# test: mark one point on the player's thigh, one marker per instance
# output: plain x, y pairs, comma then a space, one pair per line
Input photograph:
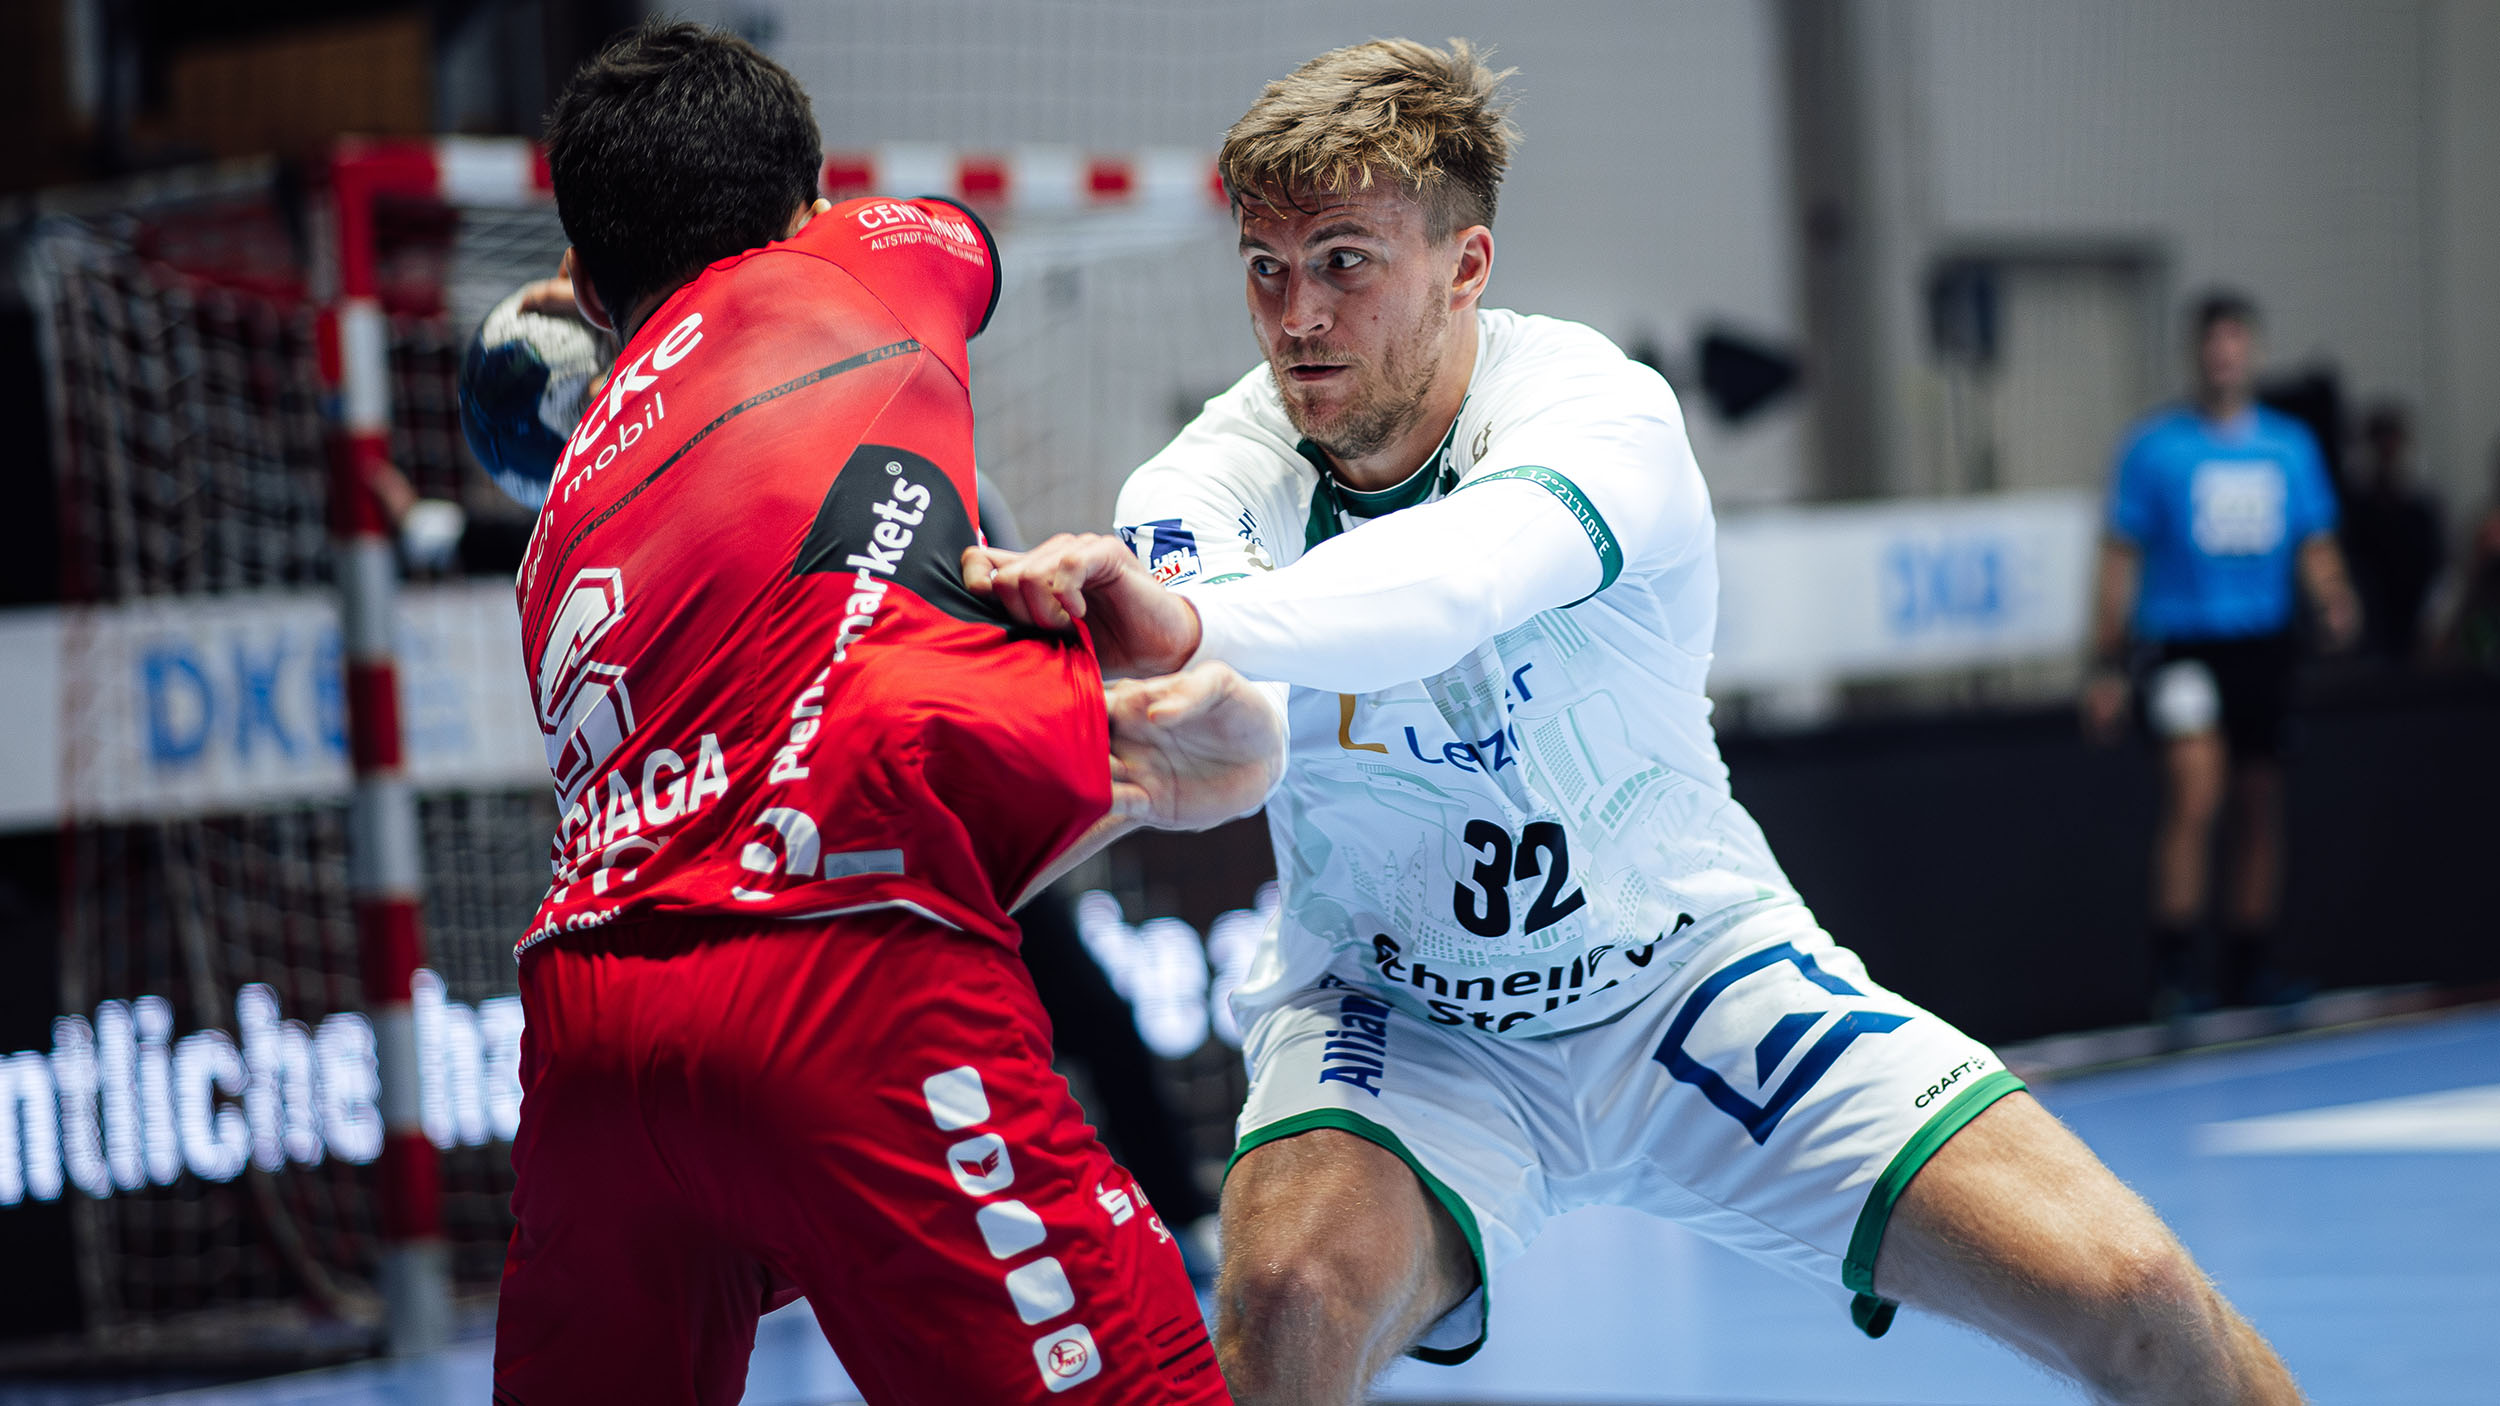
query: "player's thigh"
1385, 1167
1327, 1216
2015, 1227
959, 1230
2195, 769
655, 1310
615, 1285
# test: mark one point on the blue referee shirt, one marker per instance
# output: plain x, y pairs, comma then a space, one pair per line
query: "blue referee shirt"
2218, 512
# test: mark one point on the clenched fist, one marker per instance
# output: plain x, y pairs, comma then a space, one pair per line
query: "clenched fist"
1139, 628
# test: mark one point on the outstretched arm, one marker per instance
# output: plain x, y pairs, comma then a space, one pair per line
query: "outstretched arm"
1563, 500
1403, 598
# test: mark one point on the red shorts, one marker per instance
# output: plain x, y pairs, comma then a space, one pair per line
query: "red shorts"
716, 1123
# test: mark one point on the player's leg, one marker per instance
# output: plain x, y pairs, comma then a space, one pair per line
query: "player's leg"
2256, 702
2194, 766
2254, 881
2015, 1228
1821, 1123
2256, 843
1385, 1174
1336, 1259
2181, 706
907, 1157
616, 1286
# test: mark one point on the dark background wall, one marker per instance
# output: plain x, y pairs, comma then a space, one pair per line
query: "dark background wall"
1995, 868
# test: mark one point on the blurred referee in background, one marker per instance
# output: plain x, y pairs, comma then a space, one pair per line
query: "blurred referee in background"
2220, 515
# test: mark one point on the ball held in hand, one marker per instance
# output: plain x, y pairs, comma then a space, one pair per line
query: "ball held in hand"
523, 383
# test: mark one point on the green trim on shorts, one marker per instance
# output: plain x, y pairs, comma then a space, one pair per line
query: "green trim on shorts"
1872, 1314
1346, 1120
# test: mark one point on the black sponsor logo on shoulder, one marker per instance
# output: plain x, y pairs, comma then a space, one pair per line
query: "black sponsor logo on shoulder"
893, 518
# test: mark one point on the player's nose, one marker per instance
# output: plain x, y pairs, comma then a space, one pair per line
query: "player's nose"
1307, 312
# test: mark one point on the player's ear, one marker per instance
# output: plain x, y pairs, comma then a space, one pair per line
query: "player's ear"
799, 221
586, 297
1475, 266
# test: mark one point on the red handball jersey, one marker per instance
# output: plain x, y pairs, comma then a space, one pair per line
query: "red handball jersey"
764, 688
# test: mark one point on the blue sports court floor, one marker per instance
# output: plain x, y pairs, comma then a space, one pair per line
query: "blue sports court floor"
2343, 1188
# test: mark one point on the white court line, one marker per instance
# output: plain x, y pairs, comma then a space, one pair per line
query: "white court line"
2454, 1120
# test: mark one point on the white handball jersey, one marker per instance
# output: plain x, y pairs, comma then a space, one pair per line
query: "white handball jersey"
1504, 807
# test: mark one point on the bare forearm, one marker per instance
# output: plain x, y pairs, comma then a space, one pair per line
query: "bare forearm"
2113, 600
2330, 590
2322, 572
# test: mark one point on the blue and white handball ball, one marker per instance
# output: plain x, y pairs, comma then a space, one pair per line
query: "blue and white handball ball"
522, 387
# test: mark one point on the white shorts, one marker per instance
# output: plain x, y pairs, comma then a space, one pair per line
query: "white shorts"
1769, 1096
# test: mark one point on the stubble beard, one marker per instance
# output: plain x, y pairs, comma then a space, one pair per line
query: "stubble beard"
1389, 395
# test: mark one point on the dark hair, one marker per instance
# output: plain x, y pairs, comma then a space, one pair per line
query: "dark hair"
2222, 305
673, 147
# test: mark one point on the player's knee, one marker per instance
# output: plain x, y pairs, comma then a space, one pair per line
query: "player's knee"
1296, 1292
2147, 1323
1293, 1301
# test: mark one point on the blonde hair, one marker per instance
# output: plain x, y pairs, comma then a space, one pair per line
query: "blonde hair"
1435, 122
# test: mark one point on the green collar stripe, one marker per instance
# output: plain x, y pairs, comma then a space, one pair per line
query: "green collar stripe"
1601, 537
1331, 498
1417, 487
1323, 522
1873, 1315
1346, 1120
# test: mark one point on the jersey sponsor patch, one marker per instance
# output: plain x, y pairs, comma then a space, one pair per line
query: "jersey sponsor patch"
2238, 508
892, 518
981, 1164
1169, 549
1067, 1357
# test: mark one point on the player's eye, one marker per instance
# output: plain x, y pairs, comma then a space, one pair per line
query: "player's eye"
1266, 267
1344, 259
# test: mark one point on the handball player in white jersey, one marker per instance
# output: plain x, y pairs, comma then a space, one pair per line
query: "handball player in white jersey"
1532, 954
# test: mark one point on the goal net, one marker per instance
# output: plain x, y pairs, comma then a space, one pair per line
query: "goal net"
207, 1108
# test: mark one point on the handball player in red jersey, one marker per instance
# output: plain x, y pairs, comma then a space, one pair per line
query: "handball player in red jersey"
779, 1041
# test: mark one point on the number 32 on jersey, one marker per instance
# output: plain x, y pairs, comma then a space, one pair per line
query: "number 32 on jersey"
1481, 900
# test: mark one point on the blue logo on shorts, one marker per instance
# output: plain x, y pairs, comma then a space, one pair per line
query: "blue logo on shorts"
1760, 1118
1357, 1051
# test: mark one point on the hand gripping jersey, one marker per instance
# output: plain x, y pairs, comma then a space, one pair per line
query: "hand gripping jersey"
1529, 829
764, 689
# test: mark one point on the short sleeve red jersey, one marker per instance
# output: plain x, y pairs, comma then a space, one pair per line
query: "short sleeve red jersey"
763, 686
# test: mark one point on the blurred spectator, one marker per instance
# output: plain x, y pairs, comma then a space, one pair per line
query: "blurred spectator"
2474, 635
2218, 509
2392, 536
